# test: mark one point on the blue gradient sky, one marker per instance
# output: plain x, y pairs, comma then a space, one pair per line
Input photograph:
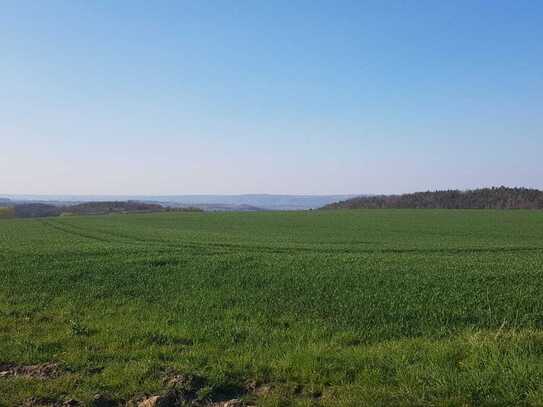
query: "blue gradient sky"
138, 97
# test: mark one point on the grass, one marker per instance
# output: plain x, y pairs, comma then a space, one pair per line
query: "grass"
331, 308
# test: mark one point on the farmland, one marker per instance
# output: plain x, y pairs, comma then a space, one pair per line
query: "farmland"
336, 307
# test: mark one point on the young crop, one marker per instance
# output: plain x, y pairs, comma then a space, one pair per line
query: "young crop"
360, 307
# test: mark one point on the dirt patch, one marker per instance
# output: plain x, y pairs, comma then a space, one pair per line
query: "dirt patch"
187, 385
258, 389
192, 390
153, 401
170, 399
182, 390
41, 371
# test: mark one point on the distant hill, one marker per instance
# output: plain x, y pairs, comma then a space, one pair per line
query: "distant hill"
207, 207
254, 201
485, 198
36, 210
206, 202
94, 208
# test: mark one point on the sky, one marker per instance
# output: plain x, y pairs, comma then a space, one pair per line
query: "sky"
296, 97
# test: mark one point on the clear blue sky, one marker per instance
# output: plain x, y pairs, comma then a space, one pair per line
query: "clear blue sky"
140, 97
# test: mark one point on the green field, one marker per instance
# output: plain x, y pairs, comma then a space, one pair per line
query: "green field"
331, 308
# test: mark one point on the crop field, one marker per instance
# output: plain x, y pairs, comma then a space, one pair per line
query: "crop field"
316, 308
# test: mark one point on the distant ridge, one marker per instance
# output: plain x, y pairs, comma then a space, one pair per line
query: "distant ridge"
484, 198
242, 202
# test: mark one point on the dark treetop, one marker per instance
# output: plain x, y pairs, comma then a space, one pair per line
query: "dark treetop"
485, 198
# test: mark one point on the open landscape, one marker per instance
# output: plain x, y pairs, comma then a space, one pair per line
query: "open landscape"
314, 308
271, 203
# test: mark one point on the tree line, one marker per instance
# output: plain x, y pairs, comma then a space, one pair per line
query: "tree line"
484, 198
38, 210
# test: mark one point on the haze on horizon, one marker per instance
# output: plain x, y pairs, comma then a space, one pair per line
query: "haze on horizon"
170, 98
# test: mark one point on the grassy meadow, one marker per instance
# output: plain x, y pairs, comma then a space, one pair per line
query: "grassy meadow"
316, 308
